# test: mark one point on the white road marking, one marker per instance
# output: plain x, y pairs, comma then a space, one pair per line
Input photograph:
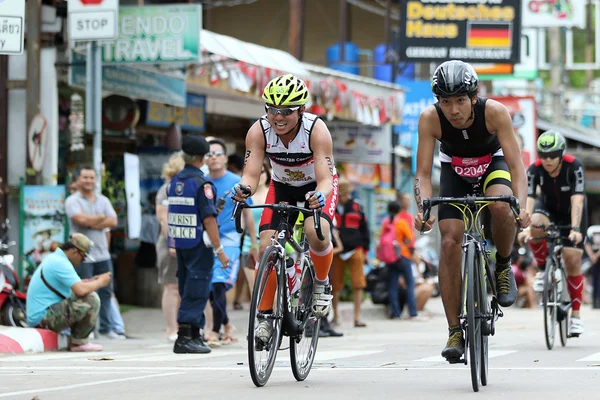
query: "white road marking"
51, 356
337, 354
491, 354
79, 385
593, 357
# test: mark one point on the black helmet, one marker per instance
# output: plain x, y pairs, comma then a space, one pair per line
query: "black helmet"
453, 78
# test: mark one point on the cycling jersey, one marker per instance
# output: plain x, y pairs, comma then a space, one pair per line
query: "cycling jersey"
556, 192
293, 165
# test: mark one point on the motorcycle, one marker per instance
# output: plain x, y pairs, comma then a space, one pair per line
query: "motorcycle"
12, 300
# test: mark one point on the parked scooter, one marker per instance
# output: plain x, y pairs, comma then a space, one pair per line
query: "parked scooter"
12, 300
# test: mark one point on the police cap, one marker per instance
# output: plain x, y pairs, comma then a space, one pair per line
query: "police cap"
194, 145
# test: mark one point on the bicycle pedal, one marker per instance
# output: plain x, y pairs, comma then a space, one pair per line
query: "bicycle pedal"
573, 335
455, 360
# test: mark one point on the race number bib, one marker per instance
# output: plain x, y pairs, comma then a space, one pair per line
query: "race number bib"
471, 168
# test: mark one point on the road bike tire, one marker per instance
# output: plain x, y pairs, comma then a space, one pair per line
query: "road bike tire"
563, 325
485, 310
473, 339
304, 348
260, 369
549, 303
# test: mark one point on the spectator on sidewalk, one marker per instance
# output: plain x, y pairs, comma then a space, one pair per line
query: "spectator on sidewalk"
224, 279
91, 213
57, 299
592, 248
354, 234
166, 262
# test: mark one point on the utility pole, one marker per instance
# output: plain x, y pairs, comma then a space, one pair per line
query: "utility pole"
556, 69
33, 22
296, 33
343, 29
3, 136
589, 42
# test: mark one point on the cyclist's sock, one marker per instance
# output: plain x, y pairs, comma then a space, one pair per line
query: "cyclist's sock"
540, 251
502, 262
576, 291
266, 302
322, 261
454, 328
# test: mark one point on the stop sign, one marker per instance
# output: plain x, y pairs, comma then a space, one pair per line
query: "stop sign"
91, 2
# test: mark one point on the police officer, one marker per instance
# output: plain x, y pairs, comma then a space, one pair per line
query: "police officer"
192, 210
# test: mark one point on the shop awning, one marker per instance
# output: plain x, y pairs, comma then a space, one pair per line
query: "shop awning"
580, 134
251, 53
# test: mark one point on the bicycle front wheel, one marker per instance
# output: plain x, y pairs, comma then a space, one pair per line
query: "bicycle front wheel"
265, 316
304, 347
550, 305
485, 316
565, 302
473, 340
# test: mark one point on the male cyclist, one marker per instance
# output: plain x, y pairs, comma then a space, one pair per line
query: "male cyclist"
478, 148
560, 178
300, 149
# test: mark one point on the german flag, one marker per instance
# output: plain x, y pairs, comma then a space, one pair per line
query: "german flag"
489, 35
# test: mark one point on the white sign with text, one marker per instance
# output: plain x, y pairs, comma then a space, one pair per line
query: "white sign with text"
359, 143
93, 19
12, 26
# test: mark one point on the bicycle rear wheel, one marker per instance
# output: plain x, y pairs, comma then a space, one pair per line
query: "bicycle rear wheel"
550, 302
304, 347
473, 340
261, 356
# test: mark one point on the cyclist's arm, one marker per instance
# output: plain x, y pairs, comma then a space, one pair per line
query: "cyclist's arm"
499, 119
427, 127
253, 159
320, 143
533, 179
577, 193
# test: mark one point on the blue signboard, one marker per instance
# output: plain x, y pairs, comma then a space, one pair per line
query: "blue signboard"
132, 82
192, 117
418, 98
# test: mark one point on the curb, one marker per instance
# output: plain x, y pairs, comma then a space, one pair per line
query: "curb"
30, 340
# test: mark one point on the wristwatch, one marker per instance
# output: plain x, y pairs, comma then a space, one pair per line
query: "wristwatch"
576, 229
218, 250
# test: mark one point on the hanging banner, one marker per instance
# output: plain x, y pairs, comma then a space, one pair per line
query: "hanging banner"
485, 31
548, 13
523, 115
358, 143
43, 225
192, 117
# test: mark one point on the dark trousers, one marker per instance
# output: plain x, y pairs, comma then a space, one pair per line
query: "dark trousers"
194, 272
402, 267
218, 301
88, 270
596, 284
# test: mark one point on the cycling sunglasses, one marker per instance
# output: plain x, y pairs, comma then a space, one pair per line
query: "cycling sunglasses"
283, 111
551, 154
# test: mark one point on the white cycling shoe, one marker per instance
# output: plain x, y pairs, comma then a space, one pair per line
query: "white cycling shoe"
321, 301
538, 283
576, 326
264, 331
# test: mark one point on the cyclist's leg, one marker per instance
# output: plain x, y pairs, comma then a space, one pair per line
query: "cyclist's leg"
539, 248
496, 182
572, 253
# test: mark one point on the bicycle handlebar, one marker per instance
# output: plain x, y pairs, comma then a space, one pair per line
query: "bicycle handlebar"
554, 231
282, 207
469, 201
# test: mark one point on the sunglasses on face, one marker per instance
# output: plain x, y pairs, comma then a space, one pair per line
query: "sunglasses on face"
283, 111
552, 154
214, 153
82, 254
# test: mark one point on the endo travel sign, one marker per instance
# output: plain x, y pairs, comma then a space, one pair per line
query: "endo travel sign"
156, 34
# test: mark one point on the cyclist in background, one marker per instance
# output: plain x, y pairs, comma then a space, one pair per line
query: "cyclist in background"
300, 150
561, 179
478, 147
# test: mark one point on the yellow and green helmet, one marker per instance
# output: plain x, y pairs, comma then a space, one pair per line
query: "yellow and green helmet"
551, 144
286, 90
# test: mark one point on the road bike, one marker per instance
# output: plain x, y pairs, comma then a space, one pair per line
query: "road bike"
291, 313
556, 301
479, 310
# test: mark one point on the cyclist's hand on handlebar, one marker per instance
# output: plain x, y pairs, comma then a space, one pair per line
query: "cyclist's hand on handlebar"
240, 192
315, 199
419, 223
575, 237
524, 218
524, 237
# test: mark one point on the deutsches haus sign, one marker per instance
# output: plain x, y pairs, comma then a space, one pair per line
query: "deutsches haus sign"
482, 31
155, 34
93, 19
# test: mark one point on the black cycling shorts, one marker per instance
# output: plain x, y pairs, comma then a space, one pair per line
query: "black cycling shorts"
563, 219
452, 185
